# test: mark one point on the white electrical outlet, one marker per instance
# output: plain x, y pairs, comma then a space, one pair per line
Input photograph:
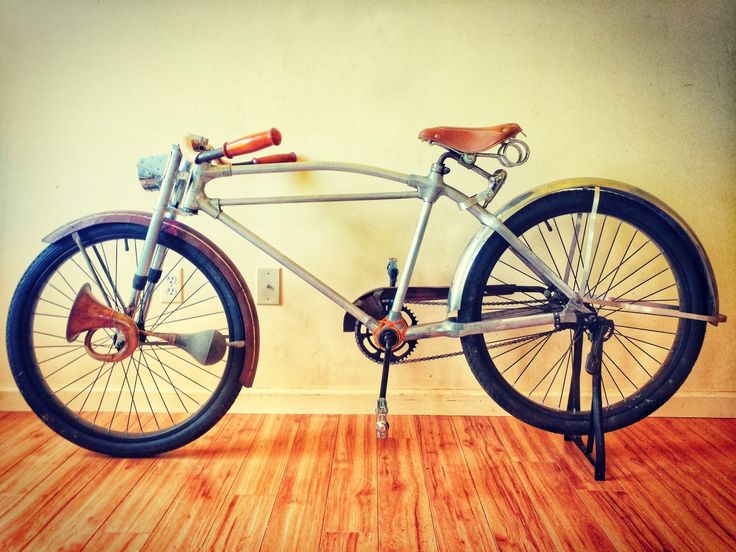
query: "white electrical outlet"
269, 286
171, 287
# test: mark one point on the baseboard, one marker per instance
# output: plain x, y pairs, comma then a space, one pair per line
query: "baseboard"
461, 402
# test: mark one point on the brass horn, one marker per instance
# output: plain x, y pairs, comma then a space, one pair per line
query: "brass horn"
89, 315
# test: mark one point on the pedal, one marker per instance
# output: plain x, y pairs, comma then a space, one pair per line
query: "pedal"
382, 425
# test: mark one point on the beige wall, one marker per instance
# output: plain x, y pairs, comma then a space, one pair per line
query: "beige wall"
641, 92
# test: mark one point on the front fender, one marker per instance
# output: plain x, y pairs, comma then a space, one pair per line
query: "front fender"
229, 271
466, 260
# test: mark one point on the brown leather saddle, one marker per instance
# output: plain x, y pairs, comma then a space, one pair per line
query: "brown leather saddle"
469, 140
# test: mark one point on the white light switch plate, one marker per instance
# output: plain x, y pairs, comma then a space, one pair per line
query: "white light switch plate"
269, 286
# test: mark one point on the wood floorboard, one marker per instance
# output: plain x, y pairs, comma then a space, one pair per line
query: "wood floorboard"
352, 504
404, 515
299, 510
141, 510
317, 482
508, 507
188, 520
10, 422
452, 494
242, 521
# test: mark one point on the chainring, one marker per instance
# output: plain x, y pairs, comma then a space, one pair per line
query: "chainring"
368, 346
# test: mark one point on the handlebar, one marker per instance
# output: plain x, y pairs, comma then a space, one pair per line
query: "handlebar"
247, 144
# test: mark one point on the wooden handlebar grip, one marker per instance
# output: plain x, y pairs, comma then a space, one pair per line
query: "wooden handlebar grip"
278, 158
251, 143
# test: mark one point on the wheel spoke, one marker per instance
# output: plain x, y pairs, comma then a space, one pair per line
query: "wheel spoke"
165, 366
62, 307
559, 363
161, 319
143, 359
536, 339
568, 267
197, 366
568, 366
605, 354
138, 377
631, 338
541, 346
603, 363
522, 272
632, 355
579, 243
614, 286
644, 329
546, 245
608, 255
168, 379
106, 271
595, 254
624, 259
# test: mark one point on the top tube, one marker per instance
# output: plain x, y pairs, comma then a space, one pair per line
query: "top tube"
235, 170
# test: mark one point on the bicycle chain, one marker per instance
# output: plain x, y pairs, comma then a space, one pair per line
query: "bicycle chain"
512, 341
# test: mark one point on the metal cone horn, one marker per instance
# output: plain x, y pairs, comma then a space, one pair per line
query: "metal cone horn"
206, 347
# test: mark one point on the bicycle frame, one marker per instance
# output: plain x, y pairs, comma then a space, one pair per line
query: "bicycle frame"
184, 185
426, 188
564, 306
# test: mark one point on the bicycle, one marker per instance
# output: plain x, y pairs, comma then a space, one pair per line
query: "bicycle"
575, 258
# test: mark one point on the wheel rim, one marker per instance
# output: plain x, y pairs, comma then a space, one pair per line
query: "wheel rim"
623, 262
159, 388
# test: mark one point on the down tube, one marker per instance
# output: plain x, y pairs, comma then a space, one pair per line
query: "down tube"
293, 266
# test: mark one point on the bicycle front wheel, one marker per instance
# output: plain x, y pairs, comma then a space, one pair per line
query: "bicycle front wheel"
160, 397
635, 253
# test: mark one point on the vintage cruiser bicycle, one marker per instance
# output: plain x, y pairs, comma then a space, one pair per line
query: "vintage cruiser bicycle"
581, 305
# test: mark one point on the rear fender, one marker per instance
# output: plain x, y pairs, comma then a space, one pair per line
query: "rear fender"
476, 243
229, 271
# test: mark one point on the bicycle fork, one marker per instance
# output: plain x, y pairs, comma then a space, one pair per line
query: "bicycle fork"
152, 257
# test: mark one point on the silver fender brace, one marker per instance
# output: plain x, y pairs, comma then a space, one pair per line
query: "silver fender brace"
226, 267
462, 270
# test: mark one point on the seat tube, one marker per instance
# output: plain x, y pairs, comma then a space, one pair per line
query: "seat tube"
405, 276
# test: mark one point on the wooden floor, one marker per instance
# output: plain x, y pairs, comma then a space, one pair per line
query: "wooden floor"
324, 483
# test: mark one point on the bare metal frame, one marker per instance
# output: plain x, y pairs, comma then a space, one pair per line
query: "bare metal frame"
184, 183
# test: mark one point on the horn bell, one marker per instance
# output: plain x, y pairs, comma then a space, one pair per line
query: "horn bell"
89, 315
206, 347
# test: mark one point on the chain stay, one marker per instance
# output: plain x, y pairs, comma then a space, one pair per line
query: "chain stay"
505, 343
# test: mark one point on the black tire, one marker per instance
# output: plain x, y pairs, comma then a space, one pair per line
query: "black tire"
159, 398
647, 358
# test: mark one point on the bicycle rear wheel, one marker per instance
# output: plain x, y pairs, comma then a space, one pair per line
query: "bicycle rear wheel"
636, 254
158, 399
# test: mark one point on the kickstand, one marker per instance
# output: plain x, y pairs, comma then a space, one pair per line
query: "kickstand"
382, 425
600, 331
